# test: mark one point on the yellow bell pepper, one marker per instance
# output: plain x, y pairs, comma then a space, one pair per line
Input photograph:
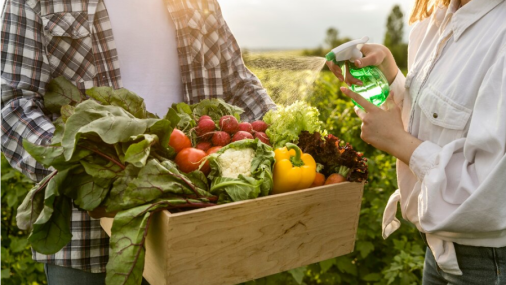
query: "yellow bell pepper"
293, 169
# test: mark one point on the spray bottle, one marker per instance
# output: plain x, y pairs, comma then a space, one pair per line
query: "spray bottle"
375, 86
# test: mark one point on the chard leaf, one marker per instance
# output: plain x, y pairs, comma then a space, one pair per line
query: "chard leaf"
153, 181
117, 194
59, 126
66, 111
108, 171
111, 123
89, 192
137, 153
60, 92
51, 230
128, 235
32, 205
122, 97
52, 236
52, 155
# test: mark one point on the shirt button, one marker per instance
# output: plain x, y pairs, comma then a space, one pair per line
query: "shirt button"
434, 115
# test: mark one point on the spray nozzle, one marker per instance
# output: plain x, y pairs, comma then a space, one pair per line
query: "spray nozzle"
347, 51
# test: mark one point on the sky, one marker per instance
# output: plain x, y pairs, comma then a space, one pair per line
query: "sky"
298, 24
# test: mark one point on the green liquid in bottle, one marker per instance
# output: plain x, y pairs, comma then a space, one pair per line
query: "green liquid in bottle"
375, 86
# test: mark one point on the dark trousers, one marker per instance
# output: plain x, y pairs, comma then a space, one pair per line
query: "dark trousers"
59, 275
479, 266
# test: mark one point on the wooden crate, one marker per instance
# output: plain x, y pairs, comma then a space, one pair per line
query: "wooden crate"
242, 241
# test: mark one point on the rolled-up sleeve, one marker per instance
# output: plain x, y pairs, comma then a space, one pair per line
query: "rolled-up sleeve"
25, 72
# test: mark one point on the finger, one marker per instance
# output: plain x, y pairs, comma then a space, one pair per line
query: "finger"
371, 57
349, 79
360, 113
368, 106
336, 70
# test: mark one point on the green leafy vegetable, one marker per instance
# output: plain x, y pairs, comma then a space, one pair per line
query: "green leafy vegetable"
286, 123
257, 183
107, 151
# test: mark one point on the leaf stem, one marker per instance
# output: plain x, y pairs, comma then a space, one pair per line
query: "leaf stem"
105, 156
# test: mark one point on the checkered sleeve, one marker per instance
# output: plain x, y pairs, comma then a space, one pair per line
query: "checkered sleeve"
25, 72
244, 88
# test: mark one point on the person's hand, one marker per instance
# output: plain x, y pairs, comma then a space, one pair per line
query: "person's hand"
100, 212
374, 54
382, 126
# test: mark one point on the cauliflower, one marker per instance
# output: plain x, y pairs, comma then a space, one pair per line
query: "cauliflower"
236, 161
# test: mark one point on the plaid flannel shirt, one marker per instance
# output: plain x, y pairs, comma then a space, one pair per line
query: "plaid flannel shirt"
43, 39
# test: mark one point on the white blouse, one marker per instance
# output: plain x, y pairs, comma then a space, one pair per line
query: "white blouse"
454, 100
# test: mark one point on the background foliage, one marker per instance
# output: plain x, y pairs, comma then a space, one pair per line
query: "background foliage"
397, 260
17, 264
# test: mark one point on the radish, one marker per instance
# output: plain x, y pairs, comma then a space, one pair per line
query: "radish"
205, 117
204, 145
221, 138
229, 124
246, 127
259, 126
263, 138
204, 127
241, 135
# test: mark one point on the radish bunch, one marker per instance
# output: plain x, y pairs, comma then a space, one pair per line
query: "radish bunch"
229, 130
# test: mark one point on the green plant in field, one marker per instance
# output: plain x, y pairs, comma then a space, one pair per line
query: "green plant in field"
17, 264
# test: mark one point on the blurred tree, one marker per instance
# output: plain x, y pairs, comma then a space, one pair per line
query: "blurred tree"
395, 27
394, 37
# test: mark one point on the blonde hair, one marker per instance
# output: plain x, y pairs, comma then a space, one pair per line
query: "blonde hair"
424, 8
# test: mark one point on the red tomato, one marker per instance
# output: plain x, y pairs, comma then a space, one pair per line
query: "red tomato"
209, 152
213, 150
189, 160
178, 140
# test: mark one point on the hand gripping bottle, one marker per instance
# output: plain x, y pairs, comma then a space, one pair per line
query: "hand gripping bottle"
375, 86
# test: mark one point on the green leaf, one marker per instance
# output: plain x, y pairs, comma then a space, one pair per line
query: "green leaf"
345, 265
126, 256
364, 247
216, 108
60, 92
6, 273
286, 123
238, 189
54, 233
372, 277
66, 111
122, 97
137, 153
153, 181
298, 274
18, 244
89, 191
52, 155
59, 126
109, 170
327, 264
111, 124
32, 205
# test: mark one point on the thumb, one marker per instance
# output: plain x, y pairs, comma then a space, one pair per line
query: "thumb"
371, 57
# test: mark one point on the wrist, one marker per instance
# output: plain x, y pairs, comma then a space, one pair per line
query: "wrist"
389, 66
403, 146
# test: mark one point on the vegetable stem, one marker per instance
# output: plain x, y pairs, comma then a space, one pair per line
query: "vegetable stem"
295, 160
105, 156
